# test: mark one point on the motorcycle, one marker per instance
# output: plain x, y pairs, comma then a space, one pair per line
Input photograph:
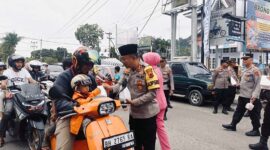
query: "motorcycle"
105, 131
30, 114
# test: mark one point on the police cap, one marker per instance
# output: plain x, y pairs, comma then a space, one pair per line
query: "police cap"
247, 55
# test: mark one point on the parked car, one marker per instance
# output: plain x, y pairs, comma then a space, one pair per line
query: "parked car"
193, 81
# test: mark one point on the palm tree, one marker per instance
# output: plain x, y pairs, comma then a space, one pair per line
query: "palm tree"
8, 45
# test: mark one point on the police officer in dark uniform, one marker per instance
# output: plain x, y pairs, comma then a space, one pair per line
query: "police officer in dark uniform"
265, 130
249, 93
142, 83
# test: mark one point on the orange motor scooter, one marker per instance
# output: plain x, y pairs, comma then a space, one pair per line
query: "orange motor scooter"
105, 131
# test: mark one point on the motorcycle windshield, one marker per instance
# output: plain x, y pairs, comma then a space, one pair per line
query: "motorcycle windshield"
31, 92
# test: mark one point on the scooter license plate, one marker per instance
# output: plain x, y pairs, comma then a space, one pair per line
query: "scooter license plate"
119, 142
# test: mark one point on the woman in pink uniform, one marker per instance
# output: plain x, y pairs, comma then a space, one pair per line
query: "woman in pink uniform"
153, 59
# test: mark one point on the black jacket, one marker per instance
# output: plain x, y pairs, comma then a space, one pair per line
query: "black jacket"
63, 81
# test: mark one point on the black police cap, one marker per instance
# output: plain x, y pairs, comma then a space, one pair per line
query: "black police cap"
128, 49
247, 55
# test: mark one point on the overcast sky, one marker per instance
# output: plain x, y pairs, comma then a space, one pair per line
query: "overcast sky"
50, 20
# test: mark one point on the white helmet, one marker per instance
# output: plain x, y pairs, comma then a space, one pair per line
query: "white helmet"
35, 63
80, 79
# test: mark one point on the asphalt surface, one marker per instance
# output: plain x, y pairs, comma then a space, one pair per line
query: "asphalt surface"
190, 128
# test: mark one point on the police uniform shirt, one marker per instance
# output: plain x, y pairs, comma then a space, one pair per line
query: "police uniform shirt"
221, 78
141, 84
250, 83
168, 81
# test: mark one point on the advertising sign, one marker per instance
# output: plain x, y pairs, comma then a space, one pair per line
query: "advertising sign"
219, 27
258, 25
206, 25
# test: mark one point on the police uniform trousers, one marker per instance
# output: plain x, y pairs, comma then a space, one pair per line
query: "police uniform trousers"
230, 96
145, 132
255, 114
266, 121
220, 97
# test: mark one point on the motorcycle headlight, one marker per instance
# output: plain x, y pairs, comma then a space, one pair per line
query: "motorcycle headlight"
106, 108
34, 107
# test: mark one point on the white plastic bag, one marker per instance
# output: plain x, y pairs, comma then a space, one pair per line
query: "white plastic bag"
102, 91
124, 95
265, 83
233, 81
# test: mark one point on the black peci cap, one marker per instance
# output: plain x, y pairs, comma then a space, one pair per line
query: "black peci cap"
128, 49
247, 55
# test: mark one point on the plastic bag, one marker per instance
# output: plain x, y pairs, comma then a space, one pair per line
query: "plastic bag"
125, 94
102, 91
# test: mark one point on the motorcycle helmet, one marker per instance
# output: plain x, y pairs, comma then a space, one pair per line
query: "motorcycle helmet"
13, 58
80, 79
81, 57
35, 64
2, 64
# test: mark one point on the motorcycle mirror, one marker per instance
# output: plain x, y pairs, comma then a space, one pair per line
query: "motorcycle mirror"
2, 77
43, 78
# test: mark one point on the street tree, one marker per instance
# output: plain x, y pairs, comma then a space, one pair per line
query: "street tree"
90, 35
8, 45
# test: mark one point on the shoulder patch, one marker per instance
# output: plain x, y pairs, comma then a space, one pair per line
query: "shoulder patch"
151, 78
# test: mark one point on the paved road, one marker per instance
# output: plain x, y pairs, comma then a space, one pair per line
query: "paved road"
192, 128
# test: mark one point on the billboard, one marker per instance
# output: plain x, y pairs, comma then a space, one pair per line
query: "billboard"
177, 3
219, 27
258, 25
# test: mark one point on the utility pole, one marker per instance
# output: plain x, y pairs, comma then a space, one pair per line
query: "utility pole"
116, 36
194, 31
173, 34
109, 38
40, 54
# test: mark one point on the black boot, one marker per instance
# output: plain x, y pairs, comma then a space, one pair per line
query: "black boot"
262, 145
224, 111
254, 132
231, 127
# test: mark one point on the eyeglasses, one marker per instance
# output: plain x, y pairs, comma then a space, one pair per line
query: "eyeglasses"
162, 61
245, 58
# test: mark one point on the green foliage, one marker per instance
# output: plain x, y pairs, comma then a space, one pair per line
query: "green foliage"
90, 35
8, 45
113, 53
183, 47
50, 60
50, 54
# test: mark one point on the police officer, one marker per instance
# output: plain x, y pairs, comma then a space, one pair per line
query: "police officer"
249, 93
265, 130
221, 82
142, 83
262, 145
233, 70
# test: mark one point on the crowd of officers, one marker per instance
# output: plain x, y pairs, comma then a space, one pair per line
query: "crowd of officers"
228, 79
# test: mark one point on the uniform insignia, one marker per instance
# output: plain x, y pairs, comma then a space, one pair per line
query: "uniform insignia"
139, 85
257, 73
